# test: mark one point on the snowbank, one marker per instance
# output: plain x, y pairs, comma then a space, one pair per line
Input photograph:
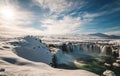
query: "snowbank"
23, 67
32, 49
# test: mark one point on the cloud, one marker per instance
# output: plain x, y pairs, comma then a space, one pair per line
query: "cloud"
116, 32
58, 9
113, 30
65, 25
53, 5
49, 16
24, 19
17, 31
20, 24
59, 6
107, 9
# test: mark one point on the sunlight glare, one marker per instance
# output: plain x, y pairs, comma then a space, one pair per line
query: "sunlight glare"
8, 13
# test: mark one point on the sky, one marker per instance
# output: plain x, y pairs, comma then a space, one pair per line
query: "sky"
20, 17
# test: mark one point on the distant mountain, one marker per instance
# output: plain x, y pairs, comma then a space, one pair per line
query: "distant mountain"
101, 35
114, 36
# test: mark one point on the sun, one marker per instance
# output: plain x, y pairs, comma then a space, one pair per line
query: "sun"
7, 13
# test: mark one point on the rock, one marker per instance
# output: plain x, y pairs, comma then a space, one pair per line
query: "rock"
118, 61
2, 69
108, 73
116, 64
106, 64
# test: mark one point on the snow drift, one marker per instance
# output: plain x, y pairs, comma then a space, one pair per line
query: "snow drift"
32, 49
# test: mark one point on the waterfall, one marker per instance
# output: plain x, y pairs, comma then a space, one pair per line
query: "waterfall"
103, 50
90, 48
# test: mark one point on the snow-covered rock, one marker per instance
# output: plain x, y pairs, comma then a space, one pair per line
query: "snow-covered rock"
32, 49
116, 64
118, 61
108, 73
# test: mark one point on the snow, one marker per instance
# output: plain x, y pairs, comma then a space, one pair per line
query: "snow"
32, 49
109, 73
96, 38
19, 58
116, 42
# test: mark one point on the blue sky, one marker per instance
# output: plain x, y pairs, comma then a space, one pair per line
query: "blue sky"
60, 16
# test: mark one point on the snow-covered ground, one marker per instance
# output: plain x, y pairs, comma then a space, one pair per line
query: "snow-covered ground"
27, 56
94, 38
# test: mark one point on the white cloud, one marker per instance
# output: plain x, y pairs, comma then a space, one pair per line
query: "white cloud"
103, 11
24, 18
115, 32
54, 5
93, 15
55, 9
60, 6
66, 25
7, 31
19, 25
